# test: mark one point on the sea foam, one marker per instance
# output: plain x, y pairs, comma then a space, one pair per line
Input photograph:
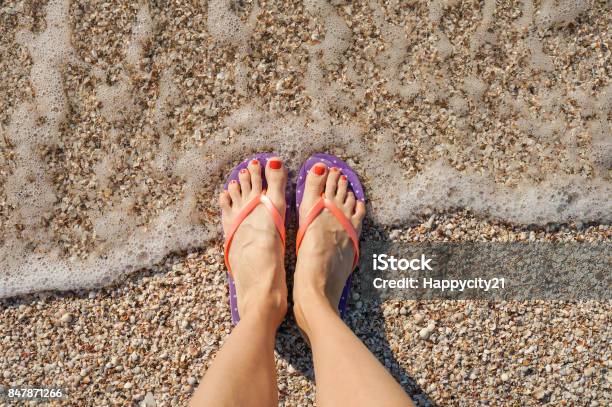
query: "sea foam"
126, 245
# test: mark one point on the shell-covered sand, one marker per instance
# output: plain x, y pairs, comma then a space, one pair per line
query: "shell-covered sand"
467, 120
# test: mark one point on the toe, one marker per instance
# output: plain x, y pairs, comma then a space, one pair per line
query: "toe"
245, 181
225, 202
357, 218
349, 204
315, 182
255, 172
341, 191
276, 175
332, 183
234, 190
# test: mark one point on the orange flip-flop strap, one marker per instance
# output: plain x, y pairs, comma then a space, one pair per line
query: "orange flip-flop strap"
279, 222
321, 204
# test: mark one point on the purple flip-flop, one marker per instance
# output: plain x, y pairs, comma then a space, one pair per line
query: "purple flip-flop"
263, 160
353, 185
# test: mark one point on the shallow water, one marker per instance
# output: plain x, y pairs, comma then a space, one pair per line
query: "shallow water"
118, 122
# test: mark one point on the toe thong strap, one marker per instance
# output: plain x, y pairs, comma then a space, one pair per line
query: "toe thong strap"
279, 222
321, 204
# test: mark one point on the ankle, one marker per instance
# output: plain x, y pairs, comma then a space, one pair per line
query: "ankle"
308, 305
267, 304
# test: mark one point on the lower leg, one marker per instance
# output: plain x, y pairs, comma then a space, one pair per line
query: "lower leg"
243, 372
347, 373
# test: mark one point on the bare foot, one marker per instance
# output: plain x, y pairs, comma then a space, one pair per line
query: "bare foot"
256, 253
325, 258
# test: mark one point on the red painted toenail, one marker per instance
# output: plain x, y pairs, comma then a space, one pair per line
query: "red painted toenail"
319, 169
255, 162
334, 169
243, 171
275, 164
233, 181
343, 178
